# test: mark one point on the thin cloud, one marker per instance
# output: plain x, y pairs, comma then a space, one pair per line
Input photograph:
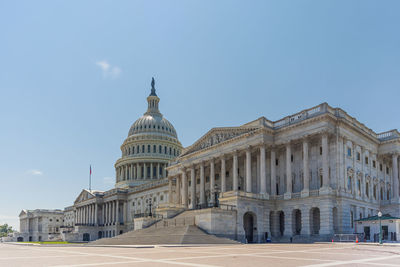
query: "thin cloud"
108, 70
34, 172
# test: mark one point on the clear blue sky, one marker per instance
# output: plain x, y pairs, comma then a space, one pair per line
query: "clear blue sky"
74, 75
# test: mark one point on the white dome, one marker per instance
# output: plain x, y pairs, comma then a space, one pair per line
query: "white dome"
150, 123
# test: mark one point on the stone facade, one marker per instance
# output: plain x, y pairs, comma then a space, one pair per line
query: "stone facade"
40, 225
310, 174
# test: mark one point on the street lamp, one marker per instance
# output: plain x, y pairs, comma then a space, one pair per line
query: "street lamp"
380, 227
216, 194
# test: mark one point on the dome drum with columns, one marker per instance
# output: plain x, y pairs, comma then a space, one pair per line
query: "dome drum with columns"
151, 143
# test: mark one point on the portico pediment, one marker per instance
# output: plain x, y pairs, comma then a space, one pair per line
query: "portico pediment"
218, 135
84, 195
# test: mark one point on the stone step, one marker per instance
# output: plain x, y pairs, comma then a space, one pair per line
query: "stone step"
169, 235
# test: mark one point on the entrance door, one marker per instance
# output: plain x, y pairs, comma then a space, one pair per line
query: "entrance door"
248, 223
86, 237
385, 232
367, 232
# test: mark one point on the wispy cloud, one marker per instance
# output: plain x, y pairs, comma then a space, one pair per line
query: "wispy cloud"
34, 172
108, 70
108, 180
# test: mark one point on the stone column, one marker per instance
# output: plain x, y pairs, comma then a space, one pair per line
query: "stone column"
170, 199
90, 214
140, 175
164, 170
223, 175
288, 193
273, 172
145, 171
263, 178
151, 171
325, 164
235, 172
193, 186
306, 171
117, 212
110, 212
105, 212
185, 189
212, 181
202, 185
126, 172
248, 171
124, 212
158, 171
395, 174
178, 190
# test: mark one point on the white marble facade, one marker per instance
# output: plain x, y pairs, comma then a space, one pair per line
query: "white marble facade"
310, 174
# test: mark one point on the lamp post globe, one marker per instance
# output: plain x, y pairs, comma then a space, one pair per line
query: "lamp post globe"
380, 227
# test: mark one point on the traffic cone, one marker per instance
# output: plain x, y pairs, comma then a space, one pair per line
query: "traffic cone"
332, 240
356, 239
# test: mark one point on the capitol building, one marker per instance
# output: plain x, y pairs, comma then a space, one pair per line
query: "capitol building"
307, 176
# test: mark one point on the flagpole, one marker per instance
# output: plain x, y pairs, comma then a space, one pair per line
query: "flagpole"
90, 178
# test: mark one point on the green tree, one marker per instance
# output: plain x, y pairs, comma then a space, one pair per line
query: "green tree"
5, 230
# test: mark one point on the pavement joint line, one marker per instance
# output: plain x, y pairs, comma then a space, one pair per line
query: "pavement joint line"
353, 261
37, 257
96, 264
381, 264
139, 259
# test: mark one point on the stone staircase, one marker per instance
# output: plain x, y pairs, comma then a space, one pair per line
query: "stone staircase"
181, 229
189, 234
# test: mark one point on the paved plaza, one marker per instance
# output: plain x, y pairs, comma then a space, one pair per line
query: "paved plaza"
225, 255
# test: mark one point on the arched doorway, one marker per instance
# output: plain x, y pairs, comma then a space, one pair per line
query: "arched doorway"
248, 225
297, 222
100, 234
20, 239
86, 237
281, 222
315, 221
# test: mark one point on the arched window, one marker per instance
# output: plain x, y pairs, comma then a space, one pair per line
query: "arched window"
165, 150
142, 148
159, 149
154, 148
170, 151
174, 152
133, 150
137, 149
148, 148
367, 189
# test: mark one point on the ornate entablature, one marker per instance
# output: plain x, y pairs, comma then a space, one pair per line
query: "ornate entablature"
217, 136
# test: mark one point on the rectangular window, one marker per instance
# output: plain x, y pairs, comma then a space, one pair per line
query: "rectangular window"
277, 162
349, 152
374, 163
320, 150
291, 158
387, 170
366, 160
380, 167
358, 156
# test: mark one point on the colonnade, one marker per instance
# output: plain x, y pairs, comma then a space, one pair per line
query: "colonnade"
142, 170
182, 196
109, 215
